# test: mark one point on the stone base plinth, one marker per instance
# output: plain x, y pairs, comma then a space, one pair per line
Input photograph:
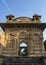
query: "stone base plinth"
23, 61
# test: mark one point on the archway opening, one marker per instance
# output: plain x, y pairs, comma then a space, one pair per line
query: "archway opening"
23, 49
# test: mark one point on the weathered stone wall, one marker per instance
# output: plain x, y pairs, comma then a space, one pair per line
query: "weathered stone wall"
32, 36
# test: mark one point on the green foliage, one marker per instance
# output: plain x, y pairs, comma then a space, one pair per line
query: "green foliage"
45, 44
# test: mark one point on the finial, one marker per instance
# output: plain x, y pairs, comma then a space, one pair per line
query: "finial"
10, 17
36, 17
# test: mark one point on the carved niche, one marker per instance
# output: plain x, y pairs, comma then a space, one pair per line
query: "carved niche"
36, 41
10, 41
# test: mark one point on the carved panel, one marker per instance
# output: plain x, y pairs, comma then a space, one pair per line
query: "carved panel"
36, 42
10, 41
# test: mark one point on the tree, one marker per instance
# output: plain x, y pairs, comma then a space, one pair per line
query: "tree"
45, 44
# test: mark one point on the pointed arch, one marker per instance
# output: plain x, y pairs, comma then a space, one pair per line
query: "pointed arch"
10, 41
36, 37
23, 44
23, 34
23, 49
36, 41
11, 36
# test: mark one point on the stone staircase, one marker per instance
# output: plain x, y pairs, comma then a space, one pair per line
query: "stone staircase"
22, 61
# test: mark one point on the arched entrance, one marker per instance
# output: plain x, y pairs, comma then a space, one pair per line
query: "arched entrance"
23, 49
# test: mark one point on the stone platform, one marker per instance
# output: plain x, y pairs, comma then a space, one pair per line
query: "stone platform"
22, 61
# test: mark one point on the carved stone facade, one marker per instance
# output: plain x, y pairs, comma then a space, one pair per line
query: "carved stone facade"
23, 33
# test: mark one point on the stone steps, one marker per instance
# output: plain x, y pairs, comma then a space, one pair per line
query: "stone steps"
22, 61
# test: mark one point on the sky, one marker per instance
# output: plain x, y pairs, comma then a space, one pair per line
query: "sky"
23, 8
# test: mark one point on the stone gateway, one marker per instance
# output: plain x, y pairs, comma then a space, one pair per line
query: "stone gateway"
22, 41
